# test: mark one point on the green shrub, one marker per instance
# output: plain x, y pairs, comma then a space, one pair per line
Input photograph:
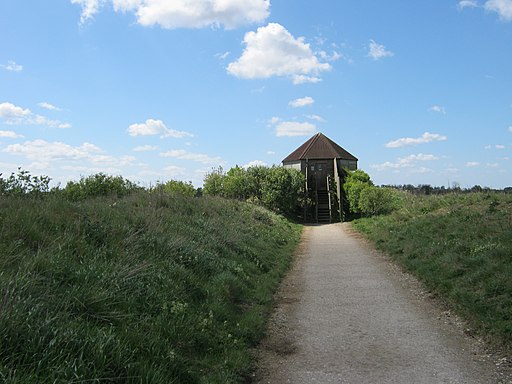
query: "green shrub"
375, 201
366, 199
282, 189
176, 187
277, 188
24, 184
99, 184
238, 184
355, 183
213, 183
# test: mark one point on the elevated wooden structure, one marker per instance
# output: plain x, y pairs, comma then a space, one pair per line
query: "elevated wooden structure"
321, 160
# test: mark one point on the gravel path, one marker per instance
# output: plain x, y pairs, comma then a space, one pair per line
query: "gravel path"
345, 315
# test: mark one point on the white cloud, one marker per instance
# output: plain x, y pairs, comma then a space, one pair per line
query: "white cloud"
223, 56
85, 158
155, 127
467, 4
438, 109
255, 163
510, 129
427, 137
302, 102
497, 146
274, 120
502, 7
41, 120
145, 148
15, 115
421, 157
126, 5
378, 51
292, 128
406, 162
202, 13
10, 112
12, 66
197, 157
48, 106
41, 150
174, 171
112, 161
271, 153
320, 119
89, 8
273, 51
84, 170
303, 79
184, 13
10, 134
335, 56
258, 90
472, 164
492, 165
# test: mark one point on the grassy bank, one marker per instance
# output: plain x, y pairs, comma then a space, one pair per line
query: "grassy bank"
144, 289
460, 245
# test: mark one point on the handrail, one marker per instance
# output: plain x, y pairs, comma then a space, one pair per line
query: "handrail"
316, 205
329, 195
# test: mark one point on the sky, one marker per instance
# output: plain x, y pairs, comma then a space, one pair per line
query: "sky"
419, 91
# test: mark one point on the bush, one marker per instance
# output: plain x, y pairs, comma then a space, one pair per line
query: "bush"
366, 199
24, 184
99, 185
354, 184
238, 184
375, 201
282, 189
175, 187
277, 188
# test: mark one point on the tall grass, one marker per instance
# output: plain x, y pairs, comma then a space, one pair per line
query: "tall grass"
460, 245
145, 289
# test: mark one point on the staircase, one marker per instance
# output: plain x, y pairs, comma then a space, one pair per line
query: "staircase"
323, 208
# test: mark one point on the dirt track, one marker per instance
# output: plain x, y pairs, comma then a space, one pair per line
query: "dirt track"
345, 315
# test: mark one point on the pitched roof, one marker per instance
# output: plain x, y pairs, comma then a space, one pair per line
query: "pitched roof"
319, 147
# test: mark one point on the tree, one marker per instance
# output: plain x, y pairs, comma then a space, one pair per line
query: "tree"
214, 182
355, 183
282, 189
238, 184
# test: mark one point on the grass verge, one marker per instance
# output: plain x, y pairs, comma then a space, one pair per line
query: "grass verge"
145, 289
460, 246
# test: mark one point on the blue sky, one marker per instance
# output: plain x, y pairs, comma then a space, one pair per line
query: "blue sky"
419, 91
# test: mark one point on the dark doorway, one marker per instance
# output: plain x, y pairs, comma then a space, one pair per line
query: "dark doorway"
318, 176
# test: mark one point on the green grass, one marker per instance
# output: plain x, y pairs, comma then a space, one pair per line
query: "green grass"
145, 289
460, 246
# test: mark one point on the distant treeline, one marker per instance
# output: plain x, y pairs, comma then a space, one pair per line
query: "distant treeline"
426, 189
